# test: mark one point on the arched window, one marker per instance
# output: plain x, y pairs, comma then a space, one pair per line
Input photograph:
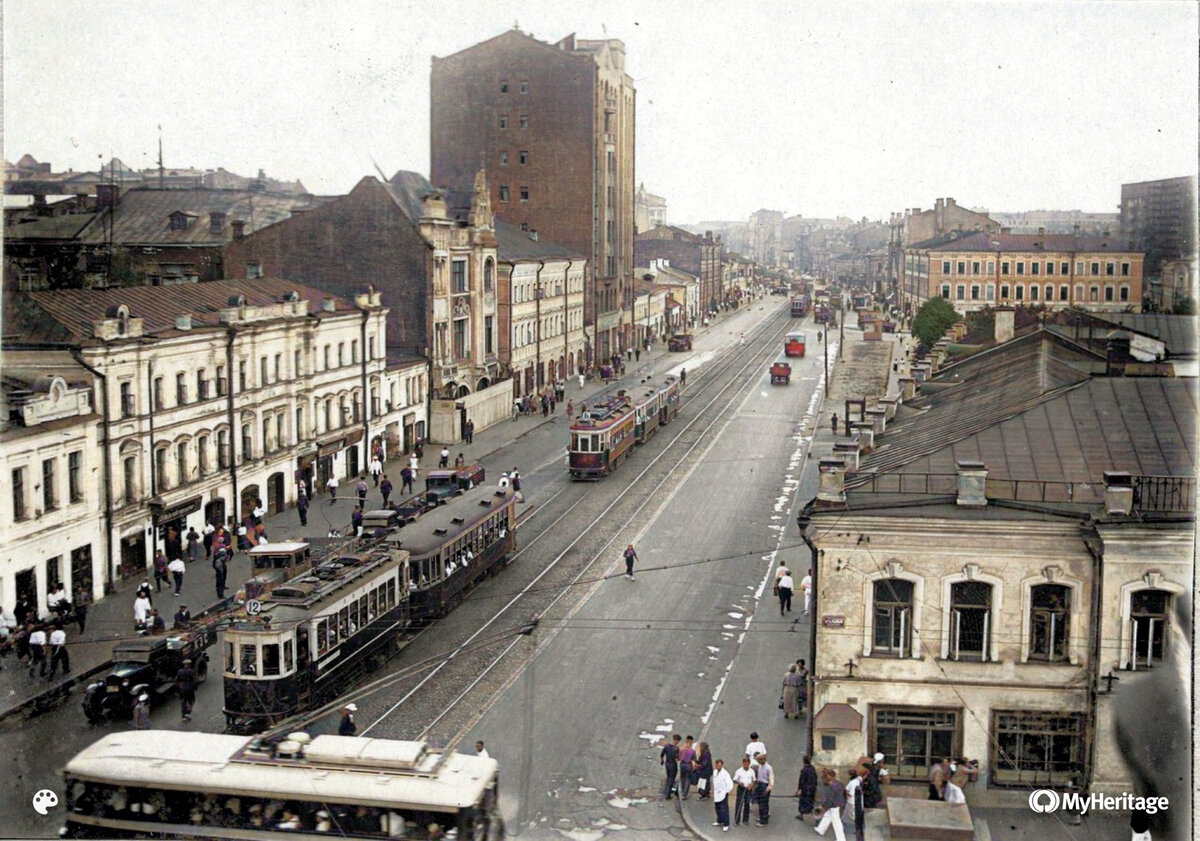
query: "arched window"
893, 618
1049, 622
489, 275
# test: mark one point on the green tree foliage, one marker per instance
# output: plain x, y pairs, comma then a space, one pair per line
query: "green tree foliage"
1185, 307
932, 320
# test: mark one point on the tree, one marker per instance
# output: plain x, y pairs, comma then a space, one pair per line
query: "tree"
932, 320
1186, 306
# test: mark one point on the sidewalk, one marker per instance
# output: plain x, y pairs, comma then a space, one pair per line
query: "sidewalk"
111, 618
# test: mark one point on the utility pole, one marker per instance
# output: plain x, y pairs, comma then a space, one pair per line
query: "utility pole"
803, 520
160, 160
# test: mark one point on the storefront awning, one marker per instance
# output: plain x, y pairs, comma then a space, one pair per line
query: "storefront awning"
838, 717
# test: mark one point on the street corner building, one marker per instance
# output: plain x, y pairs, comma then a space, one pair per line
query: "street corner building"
994, 549
134, 411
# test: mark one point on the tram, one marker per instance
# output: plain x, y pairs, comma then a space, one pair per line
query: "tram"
180, 784
793, 344
606, 430
799, 306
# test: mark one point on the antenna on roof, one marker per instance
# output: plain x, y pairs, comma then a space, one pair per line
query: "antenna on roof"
378, 169
160, 161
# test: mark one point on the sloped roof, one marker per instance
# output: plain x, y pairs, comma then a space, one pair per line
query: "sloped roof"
409, 189
984, 241
1177, 332
142, 215
68, 226
514, 244
69, 313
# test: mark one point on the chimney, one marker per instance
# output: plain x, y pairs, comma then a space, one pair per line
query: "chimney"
183, 321
329, 305
972, 484
1004, 326
1118, 492
216, 222
1118, 354
949, 202
239, 228
832, 485
107, 196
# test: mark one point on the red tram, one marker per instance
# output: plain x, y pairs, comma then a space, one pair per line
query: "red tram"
603, 435
793, 345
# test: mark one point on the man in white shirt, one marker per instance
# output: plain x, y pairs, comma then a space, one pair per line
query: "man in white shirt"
744, 778
177, 568
480, 750
141, 609
953, 794
37, 652
755, 746
806, 586
332, 486
763, 789
786, 585
722, 784
58, 651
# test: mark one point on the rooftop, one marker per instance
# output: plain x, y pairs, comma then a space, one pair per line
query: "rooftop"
983, 241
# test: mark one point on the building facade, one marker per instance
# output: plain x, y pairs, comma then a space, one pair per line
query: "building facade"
213, 396
650, 211
554, 126
699, 255
1159, 219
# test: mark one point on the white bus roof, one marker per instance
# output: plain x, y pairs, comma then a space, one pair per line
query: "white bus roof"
335, 769
276, 548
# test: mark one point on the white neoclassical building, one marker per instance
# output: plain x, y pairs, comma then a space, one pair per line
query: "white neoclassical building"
202, 399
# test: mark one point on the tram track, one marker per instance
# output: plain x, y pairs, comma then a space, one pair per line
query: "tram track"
442, 702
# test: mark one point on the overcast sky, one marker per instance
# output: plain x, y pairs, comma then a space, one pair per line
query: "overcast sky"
813, 108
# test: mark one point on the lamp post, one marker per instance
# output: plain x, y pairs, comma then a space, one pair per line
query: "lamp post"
803, 520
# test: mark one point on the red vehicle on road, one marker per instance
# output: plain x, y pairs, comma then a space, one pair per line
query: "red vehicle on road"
793, 345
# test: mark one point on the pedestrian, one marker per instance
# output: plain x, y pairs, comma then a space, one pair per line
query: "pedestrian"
258, 512
220, 570
160, 570
469, 431
785, 592
480, 750
806, 586
194, 549
414, 463
58, 651
683, 376
854, 801
744, 778
83, 598
545, 405
141, 713
332, 486
873, 783
687, 760
1139, 825
722, 784
157, 625
183, 619
419, 450
833, 423
174, 545
763, 788
637, 355
460, 461
668, 757
517, 407
515, 478
444, 458
141, 611
938, 774
570, 409
347, 727
186, 679
356, 520
302, 508
37, 650
177, 568
806, 789
951, 792
385, 488
790, 694
630, 557
362, 491
210, 530
375, 468
832, 805
406, 480
755, 746
582, 377
703, 764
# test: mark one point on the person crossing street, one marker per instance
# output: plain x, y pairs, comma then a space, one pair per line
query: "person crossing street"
630, 557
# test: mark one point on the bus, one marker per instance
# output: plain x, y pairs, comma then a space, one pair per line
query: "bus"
793, 345
799, 306
180, 784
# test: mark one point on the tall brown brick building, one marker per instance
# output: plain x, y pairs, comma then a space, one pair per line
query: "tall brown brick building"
699, 255
553, 124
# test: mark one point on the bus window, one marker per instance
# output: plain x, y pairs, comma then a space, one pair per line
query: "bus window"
249, 660
270, 659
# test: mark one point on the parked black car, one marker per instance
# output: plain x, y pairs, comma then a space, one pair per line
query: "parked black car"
146, 664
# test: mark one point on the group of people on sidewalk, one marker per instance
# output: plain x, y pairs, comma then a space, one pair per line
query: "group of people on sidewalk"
689, 765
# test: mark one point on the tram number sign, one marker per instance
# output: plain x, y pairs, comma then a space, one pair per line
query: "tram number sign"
833, 621
253, 607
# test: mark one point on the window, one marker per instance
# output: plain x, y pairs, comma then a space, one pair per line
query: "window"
960, 292
328, 357
461, 349
970, 617
524, 87
1033, 292
270, 659
524, 193
1035, 267
158, 393
524, 121
371, 339
1147, 626
181, 460
1124, 293
1033, 748
1064, 292
280, 432
354, 352
249, 664
180, 389
201, 384
458, 276
1020, 267
341, 354
489, 275
1049, 622
503, 86
1049, 290
1109, 293
1094, 293
1003, 291
1110, 269
488, 347
975, 267
989, 291
1065, 268
288, 655
504, 159
295, 364
503, 192
127, 400
130, 472
242, 375
75, 476
254, 270
1049, 267
1004, 267
1124, 270
247, 443
49, 496
222, 385
278, 367
523, 157
1095, 268
961, 268
945, 267
202, 454
503, 121
18, 493
912, 740
991, 267
160, 470
946, 291
975, 292
892, 630
300, 431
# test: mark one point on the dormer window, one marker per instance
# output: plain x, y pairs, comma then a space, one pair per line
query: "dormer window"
179, 221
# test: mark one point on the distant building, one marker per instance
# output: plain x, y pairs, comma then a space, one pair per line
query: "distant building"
700, 255
1159, 218
650, 210
1058, 222
765, 237
554, 126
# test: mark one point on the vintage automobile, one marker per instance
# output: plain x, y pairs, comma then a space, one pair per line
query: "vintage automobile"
781, 373
680, 341
442, 485
149, 665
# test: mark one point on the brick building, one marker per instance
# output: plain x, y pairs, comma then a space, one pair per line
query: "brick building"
695, 254
554, 126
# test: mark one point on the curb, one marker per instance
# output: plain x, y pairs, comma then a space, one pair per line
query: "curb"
53, 697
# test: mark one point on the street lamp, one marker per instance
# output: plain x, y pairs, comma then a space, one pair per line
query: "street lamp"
803, 521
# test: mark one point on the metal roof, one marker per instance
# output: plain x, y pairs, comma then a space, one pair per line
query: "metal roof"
984, 241
446, 522
514, 244
1177, 332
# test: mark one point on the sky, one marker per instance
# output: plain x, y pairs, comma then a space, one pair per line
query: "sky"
817, 109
